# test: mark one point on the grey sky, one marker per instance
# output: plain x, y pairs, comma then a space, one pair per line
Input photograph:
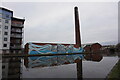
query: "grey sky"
54, 22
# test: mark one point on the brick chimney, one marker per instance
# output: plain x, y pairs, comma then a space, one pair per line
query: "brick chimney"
77, 28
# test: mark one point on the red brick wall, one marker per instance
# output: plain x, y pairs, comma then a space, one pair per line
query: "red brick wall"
95, 47
87, 48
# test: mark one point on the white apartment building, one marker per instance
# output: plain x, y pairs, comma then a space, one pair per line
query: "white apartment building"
5, 29
8, 37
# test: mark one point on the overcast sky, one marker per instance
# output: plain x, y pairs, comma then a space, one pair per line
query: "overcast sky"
54, 21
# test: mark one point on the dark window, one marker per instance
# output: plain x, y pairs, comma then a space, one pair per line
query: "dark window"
4, 45
0, 20
3, 67
6, 27
0, 26
6, 21
5, 39
7, 16
6, 33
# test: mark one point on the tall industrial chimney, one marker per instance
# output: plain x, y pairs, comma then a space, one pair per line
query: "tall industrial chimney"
77, 28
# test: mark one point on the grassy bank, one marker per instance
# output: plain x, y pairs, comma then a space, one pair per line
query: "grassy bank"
115, 72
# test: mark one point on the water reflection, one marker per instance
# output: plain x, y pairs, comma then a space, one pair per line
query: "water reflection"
57, 67
31, 62
94, 57
11, 68
99, 69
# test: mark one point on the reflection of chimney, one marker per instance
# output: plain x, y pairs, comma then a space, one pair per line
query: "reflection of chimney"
77, 29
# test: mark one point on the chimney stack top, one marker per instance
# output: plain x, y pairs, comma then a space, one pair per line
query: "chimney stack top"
76, 7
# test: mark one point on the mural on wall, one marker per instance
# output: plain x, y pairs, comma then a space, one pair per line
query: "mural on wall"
52, 49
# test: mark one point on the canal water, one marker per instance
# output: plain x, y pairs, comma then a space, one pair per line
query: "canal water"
98, 69
91, 69
20, 68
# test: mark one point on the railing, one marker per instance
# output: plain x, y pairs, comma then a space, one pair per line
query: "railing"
16, 42
17, 25
15, 30
16, 36
15, 47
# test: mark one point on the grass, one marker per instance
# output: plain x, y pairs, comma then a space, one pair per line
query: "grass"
115, 72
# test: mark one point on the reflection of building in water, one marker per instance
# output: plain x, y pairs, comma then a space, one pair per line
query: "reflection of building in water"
11, 68
93, 57
44, 61
63, 60
4, 70
10, 31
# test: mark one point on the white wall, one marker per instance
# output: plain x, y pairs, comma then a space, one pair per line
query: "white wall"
5, 15
1, 33
7, 36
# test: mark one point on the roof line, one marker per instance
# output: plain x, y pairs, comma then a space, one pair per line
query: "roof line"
6, 9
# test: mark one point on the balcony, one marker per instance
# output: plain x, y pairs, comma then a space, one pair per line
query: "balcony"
16, 47
17, 30
17, 25
16, 36
16, 42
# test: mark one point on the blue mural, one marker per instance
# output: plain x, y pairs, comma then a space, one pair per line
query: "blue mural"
46, 61
53, 49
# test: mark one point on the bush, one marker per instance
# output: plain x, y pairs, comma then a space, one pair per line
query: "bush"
118, 47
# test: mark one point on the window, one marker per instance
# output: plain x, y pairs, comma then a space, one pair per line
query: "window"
6, 21
0, 20
0, 26
7, 16
6, 33
3, 67
4, 45
6, 27
5, 39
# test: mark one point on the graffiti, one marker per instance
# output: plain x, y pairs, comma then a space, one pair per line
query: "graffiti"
53, 49
46, 61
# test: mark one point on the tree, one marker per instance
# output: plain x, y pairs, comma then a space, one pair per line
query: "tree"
118, 47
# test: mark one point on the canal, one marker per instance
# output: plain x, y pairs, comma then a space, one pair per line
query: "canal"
57, 67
